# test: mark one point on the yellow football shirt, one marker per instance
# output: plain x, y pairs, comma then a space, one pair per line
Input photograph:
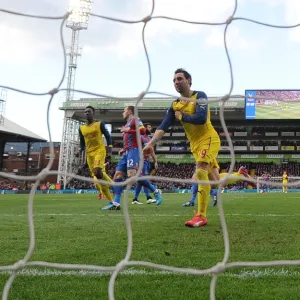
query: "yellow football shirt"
195, 133
92, 135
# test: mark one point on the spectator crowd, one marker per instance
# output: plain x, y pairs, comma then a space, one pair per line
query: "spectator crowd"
186, 170
179, 171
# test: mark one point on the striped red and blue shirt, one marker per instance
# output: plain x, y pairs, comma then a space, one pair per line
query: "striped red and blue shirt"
129, 138
145, 140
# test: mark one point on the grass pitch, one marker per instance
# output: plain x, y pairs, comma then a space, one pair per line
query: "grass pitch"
283, 111
72, 229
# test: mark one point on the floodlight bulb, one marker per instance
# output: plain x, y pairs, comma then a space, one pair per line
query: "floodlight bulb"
80, 11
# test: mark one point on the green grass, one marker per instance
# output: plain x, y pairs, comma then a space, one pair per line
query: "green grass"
72, 229
290, 111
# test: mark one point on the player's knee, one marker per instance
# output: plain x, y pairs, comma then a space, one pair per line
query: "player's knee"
118, 174
201, 174
131, 173
214, 176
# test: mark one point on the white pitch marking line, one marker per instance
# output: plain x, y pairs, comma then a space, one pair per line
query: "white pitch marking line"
138, 215
81, 273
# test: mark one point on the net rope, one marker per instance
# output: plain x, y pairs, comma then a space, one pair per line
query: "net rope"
215, 270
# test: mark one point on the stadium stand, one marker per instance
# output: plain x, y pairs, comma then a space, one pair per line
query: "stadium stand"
260, 146
185, 171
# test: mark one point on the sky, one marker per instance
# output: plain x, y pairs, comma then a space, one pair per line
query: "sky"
113, 60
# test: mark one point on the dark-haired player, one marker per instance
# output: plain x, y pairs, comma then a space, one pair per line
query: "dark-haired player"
203, 138
91, 138
129, 163
148, 167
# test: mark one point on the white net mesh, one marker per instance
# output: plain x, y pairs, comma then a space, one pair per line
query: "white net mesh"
115, 270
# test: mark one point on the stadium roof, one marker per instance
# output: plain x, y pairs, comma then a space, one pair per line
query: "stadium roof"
162, 103
154, 109
12, 132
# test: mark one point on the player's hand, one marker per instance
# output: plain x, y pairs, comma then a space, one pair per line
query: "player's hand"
124, 129
121, 151
147, 149
156, 166
178, 115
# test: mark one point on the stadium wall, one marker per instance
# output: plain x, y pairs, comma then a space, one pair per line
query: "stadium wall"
224, 158
93, 191
15, 162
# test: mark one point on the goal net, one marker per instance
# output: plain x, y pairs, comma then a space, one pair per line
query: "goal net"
214, 270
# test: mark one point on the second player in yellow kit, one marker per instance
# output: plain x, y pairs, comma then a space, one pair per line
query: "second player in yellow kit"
91, 139
204, 140
284, 182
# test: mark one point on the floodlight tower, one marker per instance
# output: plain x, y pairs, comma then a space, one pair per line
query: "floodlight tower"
77, 21
3, 96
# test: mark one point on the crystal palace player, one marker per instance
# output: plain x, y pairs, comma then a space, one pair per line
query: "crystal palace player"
91, 137
266, 178
130, 159
149, 168
203, 138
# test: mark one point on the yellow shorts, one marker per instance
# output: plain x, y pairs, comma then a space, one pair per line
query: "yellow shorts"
284, 182
96, 160
207, 151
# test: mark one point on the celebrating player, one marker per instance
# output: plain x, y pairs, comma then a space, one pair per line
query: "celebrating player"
146, 171
285, 182
203, 138
130, 159
91, 137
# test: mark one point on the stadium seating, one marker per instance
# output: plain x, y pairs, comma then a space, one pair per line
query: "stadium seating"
185, 171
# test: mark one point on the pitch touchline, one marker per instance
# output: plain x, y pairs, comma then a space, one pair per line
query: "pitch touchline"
83, 273
142, 216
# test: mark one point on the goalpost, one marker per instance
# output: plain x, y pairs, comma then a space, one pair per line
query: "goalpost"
214, 270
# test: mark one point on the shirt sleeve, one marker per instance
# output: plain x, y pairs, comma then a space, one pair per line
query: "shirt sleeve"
200, 116
133, 127
82, 142
168, 120
106, 134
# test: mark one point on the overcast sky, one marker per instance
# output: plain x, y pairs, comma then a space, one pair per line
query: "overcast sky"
113, 61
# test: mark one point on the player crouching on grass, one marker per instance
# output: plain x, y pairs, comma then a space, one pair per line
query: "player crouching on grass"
241, 175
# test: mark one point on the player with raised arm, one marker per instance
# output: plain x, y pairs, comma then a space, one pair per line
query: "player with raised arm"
203, 138
147, 167
285, 180
91, 138
129, 163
